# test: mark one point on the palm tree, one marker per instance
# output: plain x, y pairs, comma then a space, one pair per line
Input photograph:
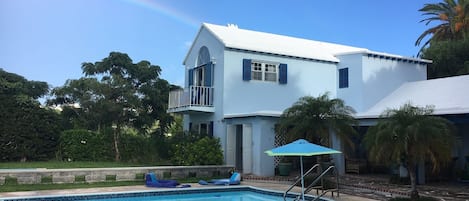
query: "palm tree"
453, 17
409, 135
313, 118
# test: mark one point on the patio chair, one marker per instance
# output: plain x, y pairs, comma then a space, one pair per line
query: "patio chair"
152, 181
235, 179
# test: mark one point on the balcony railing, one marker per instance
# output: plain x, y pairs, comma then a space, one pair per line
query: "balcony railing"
190, 98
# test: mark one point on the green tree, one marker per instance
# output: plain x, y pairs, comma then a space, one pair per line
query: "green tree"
313, 118
453, 18
449, 58
118, 93
27, 131
410, 135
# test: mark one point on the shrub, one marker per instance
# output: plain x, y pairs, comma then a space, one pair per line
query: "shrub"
204, 151
137, 149
27, 132
84, 145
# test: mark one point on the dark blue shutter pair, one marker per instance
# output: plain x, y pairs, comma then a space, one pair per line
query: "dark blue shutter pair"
247, 71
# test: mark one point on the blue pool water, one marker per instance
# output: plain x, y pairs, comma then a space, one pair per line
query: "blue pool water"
241, 193
220, 196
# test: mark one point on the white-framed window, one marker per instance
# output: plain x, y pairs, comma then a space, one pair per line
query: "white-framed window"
204, 128
264, 71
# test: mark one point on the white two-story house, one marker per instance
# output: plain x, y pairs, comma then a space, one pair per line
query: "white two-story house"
238, 82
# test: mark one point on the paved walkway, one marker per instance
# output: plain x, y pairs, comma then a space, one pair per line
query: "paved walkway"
377, 187
353, 188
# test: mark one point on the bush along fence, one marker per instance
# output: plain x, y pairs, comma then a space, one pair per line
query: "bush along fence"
92, 175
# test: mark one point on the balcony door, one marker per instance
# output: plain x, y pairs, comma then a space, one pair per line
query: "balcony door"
199, 77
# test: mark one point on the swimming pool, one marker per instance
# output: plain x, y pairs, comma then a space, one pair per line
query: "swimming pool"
229, 193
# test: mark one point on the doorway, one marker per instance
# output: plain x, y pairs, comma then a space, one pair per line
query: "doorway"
239, 147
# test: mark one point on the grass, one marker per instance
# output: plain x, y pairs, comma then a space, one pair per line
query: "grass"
63, 164
36, 187
11, 183
12, 187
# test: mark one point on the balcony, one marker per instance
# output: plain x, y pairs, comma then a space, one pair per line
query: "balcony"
192, 99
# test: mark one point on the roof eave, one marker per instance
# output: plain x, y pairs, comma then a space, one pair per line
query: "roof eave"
204, 25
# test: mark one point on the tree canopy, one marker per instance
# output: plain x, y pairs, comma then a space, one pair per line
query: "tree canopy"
450, 58
313, 118
115, 92
27, 131
449, 39
453, 19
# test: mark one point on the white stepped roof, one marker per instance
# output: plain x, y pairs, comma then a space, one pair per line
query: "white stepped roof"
233, 37
447, 95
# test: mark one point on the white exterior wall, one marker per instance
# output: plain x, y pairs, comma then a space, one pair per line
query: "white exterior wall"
383, 76
353, 95
373, 78
304, 78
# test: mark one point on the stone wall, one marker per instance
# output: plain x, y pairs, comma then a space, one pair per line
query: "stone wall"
90, 175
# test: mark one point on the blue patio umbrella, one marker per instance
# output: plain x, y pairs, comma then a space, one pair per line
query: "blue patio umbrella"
301, 148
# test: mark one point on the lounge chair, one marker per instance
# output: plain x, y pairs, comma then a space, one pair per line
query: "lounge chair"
235, 179
152, 181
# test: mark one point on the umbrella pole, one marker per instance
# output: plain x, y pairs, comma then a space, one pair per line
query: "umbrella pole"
302, 179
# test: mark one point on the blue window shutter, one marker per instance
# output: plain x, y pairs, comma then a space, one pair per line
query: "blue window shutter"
191, 77
246, 69
208, 74
346, 78
210, 129
343, 78
282, 78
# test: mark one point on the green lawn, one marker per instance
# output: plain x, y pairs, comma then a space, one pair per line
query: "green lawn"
36, 187
62, 164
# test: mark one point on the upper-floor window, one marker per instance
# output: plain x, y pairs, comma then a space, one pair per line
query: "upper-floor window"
343, 78
264, 71
201, 74
203, 57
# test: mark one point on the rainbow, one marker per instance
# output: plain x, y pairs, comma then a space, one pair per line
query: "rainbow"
166, 11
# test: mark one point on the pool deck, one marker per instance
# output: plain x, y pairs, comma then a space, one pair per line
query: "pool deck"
353, 188
264, 185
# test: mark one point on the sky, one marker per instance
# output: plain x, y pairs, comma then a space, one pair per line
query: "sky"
48, 40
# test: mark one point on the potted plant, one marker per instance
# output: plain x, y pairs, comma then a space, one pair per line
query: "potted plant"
284, 167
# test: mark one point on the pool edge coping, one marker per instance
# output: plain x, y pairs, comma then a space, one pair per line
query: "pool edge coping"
167, 190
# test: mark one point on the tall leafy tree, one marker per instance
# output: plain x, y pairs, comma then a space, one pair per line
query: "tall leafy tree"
453, 18
450, 58
27, 131
119, 93
410, 135
313, 118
